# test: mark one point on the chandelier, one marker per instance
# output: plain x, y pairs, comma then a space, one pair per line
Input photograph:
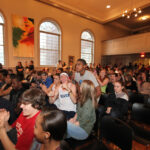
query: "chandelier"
132, 12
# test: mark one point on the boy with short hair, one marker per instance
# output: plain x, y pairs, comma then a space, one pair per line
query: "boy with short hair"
31, 102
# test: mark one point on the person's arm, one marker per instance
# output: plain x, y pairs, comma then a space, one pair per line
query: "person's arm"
72, 92
74, 120
98, 91
5, 92
6, 142
105, 82
55, 96
45, 89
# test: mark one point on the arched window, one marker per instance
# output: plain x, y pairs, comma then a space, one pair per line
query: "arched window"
87, 46
50, 36
1, 39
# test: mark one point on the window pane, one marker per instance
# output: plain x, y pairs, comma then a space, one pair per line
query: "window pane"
2, 55
1, 19
87, 57
86, 47
49, 41
48, 57
49, 27
1, 34
86, 35
87, 50
49, 44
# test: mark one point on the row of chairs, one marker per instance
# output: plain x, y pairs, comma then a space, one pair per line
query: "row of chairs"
118, 132
121, 133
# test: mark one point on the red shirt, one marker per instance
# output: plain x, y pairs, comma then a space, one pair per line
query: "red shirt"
25, 131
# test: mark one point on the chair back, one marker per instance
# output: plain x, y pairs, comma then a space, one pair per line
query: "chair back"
141, 113
117, 132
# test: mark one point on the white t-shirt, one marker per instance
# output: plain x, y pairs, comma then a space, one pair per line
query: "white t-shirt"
87, 76
65, 102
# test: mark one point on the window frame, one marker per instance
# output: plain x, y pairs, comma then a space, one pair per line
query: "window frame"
3, 26
92, 43
51, 33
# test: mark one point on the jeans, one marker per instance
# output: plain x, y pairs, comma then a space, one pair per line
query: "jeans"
76, 132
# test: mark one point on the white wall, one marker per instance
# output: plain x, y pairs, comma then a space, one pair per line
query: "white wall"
127, 45
71, 27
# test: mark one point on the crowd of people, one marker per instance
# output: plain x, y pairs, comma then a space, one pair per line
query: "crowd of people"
40, 108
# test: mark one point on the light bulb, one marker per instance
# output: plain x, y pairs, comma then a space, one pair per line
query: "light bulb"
140, 11
126, 11
108, 6
128, 16
136, 15
123, 15
134, 9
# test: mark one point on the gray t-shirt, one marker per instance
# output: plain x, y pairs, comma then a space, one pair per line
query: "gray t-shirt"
87, 76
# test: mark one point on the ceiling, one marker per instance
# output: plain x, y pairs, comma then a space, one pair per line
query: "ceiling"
96, 10
136, 23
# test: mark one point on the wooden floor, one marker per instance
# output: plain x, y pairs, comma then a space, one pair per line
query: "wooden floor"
138, 146
135, 146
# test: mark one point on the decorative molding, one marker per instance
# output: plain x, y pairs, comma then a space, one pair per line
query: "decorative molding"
68, 10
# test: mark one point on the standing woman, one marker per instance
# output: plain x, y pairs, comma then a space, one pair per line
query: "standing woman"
82, 124
20, 69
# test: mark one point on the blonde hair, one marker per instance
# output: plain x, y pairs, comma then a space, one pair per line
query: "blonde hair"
88, 91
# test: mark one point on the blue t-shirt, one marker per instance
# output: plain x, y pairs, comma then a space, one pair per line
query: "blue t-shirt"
48, 82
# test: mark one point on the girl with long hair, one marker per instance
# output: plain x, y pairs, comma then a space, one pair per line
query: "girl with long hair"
81, 125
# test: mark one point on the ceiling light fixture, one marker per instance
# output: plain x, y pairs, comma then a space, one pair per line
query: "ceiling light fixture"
144, 18
108, 6
135, 12
132, 11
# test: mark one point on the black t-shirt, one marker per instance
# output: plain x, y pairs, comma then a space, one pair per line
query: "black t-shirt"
31, 67
17, 69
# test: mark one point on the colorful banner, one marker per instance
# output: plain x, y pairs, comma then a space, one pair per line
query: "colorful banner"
23, 36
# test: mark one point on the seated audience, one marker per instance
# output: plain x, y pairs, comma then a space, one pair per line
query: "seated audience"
82, 124
3, 74
117, 103
102, 80
52, 89
16, 92
143, 84
7, 87
47, 81
66, 93
130, 85
7, 117
110, 85
50, 127
31, 102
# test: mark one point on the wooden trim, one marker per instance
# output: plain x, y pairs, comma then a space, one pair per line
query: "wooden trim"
77, 13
